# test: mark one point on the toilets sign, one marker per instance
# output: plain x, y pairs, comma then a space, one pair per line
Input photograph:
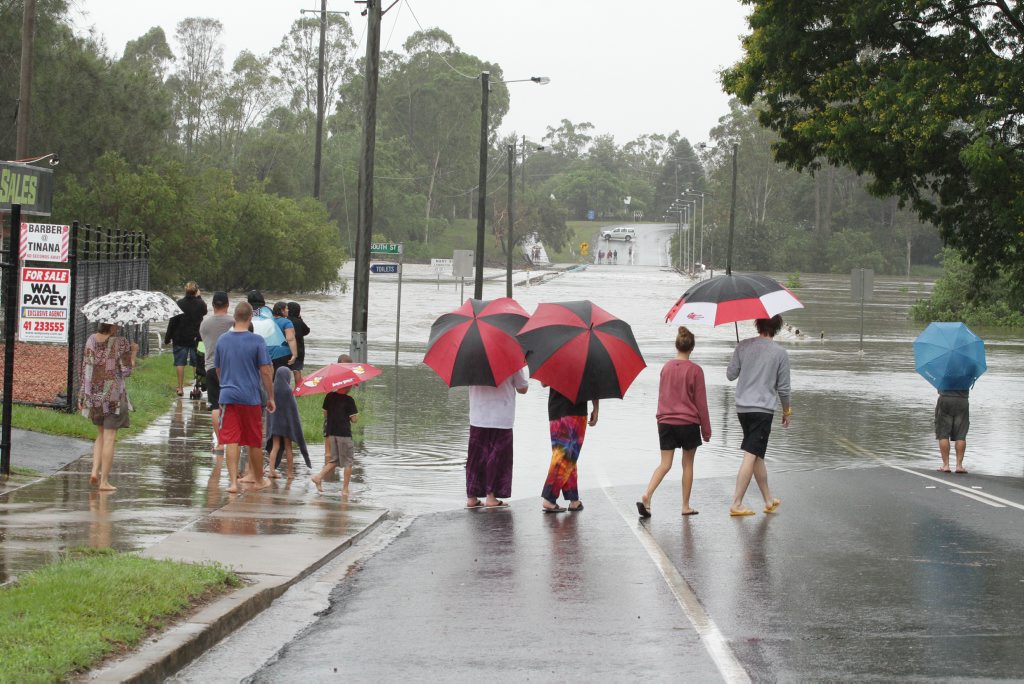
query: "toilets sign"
44, 304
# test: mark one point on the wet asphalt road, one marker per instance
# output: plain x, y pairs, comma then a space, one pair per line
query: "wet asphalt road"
862, 574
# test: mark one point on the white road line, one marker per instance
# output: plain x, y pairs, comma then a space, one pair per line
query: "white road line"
971, 495
714, 641
853, 447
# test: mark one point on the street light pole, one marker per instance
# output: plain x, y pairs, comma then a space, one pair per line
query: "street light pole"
509, 242
481, 203
481, 213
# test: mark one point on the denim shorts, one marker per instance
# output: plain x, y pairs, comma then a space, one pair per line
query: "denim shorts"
185, 356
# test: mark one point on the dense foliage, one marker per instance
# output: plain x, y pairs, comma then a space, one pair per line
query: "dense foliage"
214, 160
925, 96
958, 297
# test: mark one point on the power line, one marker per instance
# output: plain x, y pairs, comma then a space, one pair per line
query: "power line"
440, 54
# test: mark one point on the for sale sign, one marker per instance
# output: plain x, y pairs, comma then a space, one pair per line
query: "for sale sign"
44, 304
44, 242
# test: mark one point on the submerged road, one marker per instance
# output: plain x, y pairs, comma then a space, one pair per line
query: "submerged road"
880, 573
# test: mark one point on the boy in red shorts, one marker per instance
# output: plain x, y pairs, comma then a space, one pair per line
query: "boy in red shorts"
242, 363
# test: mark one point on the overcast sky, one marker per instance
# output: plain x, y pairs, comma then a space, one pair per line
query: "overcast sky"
628, 68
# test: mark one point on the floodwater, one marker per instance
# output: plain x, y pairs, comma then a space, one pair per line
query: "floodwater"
849, 408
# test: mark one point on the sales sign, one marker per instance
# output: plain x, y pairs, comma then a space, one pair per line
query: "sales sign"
44, 305
28, 186
44, 242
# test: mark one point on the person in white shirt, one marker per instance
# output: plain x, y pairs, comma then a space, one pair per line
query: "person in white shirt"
492, 413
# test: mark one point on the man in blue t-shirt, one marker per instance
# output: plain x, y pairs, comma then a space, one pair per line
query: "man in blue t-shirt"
286, 353
242, 364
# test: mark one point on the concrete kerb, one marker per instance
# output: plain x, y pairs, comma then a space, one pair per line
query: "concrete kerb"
182, 643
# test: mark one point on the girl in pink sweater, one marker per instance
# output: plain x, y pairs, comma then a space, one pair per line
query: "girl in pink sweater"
682, 419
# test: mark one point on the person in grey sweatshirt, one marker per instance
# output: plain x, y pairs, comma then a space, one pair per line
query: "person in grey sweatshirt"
762, 367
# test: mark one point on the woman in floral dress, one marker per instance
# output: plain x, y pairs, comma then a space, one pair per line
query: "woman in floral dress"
107, 361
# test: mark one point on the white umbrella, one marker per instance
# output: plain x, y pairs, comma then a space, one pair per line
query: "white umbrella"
131, 307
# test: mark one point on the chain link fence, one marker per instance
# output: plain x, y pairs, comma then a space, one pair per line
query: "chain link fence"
101, 260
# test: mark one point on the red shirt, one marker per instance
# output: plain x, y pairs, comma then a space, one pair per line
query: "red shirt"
682, 398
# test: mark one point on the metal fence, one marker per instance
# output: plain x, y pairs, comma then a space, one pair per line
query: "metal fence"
101, 260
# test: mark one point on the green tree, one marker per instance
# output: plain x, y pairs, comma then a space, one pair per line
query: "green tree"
924, 95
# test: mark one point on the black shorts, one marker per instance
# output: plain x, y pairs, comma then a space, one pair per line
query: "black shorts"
212, 389
685, 437
756, 428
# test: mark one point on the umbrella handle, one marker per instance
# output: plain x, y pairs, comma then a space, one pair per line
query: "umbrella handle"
736, 325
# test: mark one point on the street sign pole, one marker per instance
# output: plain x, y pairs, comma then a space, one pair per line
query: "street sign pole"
398, 307
10, 297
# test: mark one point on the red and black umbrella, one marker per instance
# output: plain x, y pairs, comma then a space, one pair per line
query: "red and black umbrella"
581, 350
731, 298
476, 343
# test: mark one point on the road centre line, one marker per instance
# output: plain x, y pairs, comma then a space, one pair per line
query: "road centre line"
971, 495
850, 446
714, 641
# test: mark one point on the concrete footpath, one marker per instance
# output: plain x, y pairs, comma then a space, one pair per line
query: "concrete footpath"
170, 503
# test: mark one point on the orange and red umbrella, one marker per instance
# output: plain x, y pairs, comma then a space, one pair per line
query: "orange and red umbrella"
581, 350
476, 344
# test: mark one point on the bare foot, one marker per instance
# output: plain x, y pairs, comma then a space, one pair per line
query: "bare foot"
107, 487
248, 479
318, 482
94, 479
262, 484
735, 512
690, 511
344, 493
233, 489
770, 506
272, 474
290, 475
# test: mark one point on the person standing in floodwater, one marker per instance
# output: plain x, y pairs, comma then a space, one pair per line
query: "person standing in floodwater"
683, 419
762, 367
492, 413
952, 420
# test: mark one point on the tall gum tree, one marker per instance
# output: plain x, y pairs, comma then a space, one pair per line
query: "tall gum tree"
926, 96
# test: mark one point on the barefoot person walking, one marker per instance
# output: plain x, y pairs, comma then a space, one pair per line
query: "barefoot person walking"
242, 364
762, 367
682, 419
107, 361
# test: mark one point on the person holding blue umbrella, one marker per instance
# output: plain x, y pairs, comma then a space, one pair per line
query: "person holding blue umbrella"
951, 357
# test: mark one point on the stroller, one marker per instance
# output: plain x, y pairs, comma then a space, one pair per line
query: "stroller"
200, 370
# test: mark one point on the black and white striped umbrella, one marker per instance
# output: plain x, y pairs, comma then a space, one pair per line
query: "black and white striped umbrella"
131, 307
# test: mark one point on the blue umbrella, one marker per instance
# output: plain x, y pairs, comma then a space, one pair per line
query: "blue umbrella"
949, 356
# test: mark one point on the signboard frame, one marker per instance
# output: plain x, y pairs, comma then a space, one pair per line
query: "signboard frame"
44, 321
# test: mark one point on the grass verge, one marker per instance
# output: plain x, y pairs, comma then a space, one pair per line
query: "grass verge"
150, 387
68, 616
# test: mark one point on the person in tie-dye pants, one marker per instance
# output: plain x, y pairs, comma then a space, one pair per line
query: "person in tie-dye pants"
568, 424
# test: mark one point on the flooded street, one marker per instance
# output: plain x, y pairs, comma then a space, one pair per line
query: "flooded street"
848, 409
845, 402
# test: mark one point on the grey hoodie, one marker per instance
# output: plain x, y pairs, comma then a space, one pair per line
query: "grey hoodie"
763, 369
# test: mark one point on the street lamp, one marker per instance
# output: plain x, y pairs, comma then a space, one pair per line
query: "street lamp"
481, 210
320, 93
700, 194
509, 242
690, 207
